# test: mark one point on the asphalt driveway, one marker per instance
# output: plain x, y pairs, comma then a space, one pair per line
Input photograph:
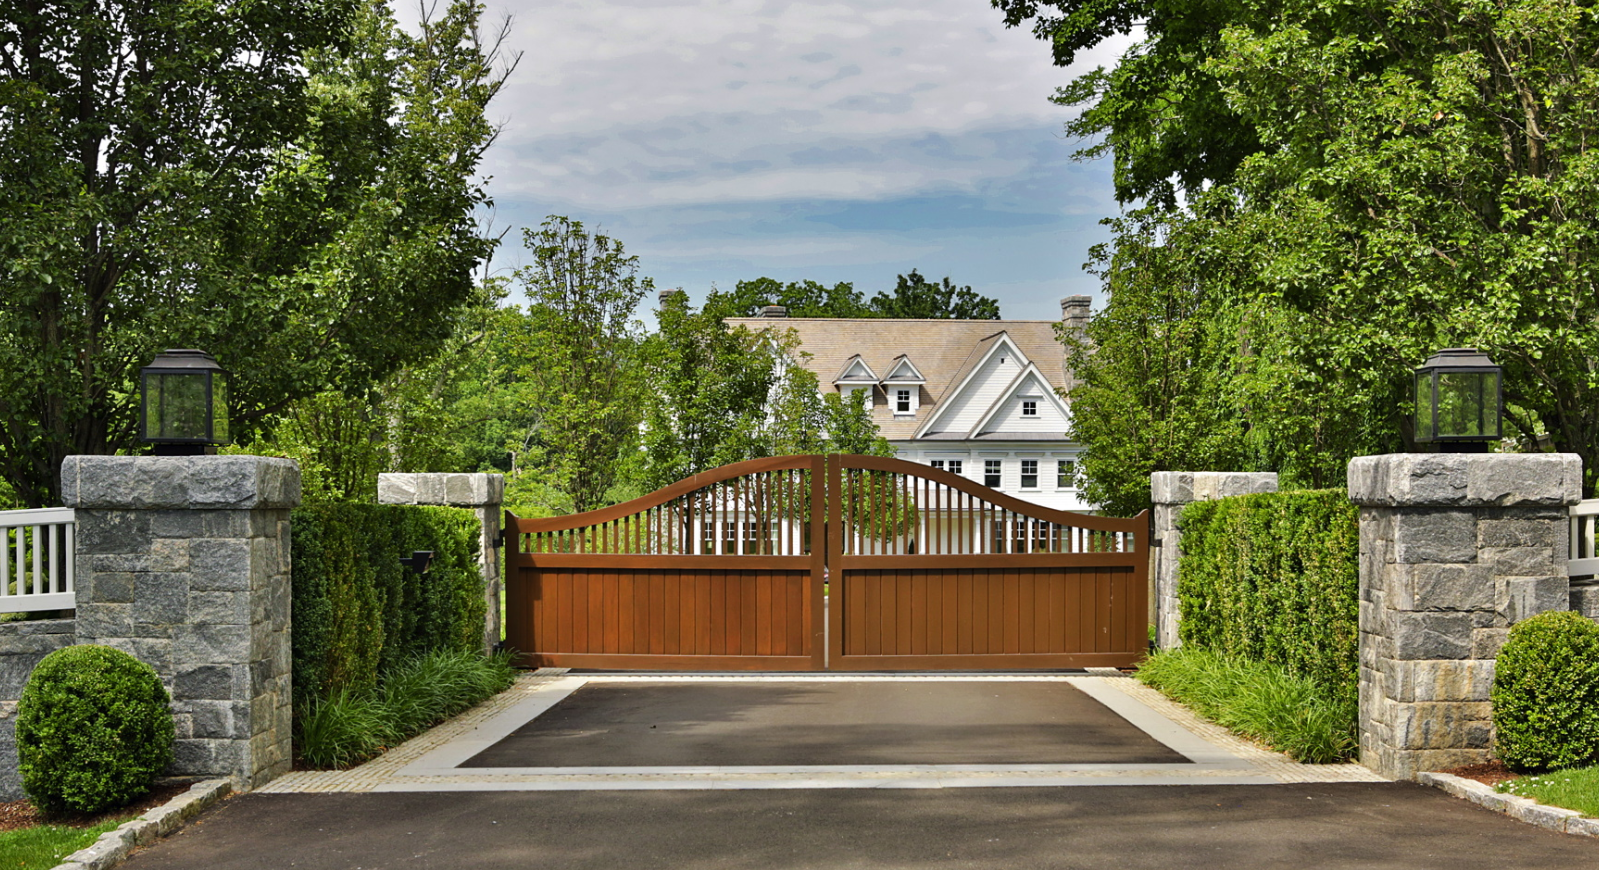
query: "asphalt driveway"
824, 723
1342, 825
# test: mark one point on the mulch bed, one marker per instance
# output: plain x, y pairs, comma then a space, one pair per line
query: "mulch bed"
15, 815
1488, 773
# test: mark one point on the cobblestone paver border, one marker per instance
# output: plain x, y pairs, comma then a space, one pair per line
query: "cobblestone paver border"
1256, 763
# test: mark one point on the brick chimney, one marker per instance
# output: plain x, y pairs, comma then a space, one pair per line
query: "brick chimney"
1075, 311
773, 311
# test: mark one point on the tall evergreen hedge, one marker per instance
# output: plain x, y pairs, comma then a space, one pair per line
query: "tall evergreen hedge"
1275, 578
358, 611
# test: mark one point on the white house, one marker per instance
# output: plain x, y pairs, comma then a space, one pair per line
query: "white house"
975, 397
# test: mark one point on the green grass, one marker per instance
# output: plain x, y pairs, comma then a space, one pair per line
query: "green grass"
351, 727
43, 846
1289, 713
1575, 789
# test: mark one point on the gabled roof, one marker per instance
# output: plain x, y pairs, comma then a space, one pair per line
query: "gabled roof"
904, 372
945, 353
856, 371
987, 347
1029, 373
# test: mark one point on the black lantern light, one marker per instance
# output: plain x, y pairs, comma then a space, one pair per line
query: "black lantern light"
418, 561
1459, 401
183, 407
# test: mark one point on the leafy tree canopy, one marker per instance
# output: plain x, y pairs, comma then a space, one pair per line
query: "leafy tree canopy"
287, 185
913, 297
1425, 179
916, 297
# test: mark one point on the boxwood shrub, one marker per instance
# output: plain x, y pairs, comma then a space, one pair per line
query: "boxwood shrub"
358, 612
94, 729
1546, 693
1275, 578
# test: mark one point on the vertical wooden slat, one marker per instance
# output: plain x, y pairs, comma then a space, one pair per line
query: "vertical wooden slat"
1013, 611
905, 625
1027, 608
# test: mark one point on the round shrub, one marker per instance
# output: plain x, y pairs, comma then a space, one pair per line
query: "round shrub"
93, 730
1546, 693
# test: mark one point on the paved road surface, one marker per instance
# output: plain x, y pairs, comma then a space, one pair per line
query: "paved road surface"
1342, 825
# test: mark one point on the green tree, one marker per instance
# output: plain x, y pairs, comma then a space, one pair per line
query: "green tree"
290, 186
801, 298
1150, 389
578, 362
1422, 176
916, 297
708, 389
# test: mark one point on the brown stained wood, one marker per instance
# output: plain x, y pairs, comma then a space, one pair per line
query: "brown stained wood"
635, 587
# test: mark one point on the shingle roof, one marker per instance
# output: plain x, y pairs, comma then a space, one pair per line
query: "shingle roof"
943, 350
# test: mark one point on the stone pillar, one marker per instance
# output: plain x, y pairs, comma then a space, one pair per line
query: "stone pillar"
1170, 491
183, 562
22, 646
1454, 549
484, 494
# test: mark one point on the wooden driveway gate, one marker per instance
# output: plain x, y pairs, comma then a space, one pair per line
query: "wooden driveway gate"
914, 568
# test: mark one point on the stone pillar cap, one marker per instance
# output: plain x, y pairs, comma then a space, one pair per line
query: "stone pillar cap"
456, 490
1466, 479
180, 482
1182, 487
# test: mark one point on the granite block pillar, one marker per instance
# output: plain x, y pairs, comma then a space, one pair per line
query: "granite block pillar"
1170, 491
484, 494
1454, 549
183, 562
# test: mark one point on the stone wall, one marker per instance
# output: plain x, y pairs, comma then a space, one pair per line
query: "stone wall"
22, 645
1170, 491
484, 494
1454, 549
183, 562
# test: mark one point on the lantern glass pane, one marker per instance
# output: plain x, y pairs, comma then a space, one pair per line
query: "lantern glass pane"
176, 407
219, 407
1463, 405
1424, 421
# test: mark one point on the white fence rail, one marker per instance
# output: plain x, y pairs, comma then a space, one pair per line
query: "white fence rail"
1584, 556
36, 556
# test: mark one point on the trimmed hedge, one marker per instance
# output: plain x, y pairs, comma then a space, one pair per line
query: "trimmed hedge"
1546, 693
94, 728
358, 612
1275, 578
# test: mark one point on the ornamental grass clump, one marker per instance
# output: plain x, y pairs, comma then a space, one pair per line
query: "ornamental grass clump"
94, 729
1289, 713
1546, 693
352, 725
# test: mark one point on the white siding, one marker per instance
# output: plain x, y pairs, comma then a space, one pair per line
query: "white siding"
961, 412
1010, 419
972, 455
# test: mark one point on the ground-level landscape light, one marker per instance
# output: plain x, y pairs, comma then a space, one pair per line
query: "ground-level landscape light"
183, 404
1459, 401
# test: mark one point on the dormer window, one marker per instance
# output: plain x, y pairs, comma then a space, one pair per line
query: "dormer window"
902, 401
1029, 407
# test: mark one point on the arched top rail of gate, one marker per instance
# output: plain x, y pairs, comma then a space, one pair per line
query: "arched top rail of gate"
891, 507
760, 507
773, 506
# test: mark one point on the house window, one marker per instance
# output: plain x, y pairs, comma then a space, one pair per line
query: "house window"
954, 466
1065, 474
902, 401
1029, 407
1029, 474
938, 464
991, 473
708, 537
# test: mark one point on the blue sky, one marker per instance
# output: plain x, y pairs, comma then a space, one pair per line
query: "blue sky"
843, 141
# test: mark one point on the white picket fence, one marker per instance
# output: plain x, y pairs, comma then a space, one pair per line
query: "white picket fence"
1584, 555
36, 560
